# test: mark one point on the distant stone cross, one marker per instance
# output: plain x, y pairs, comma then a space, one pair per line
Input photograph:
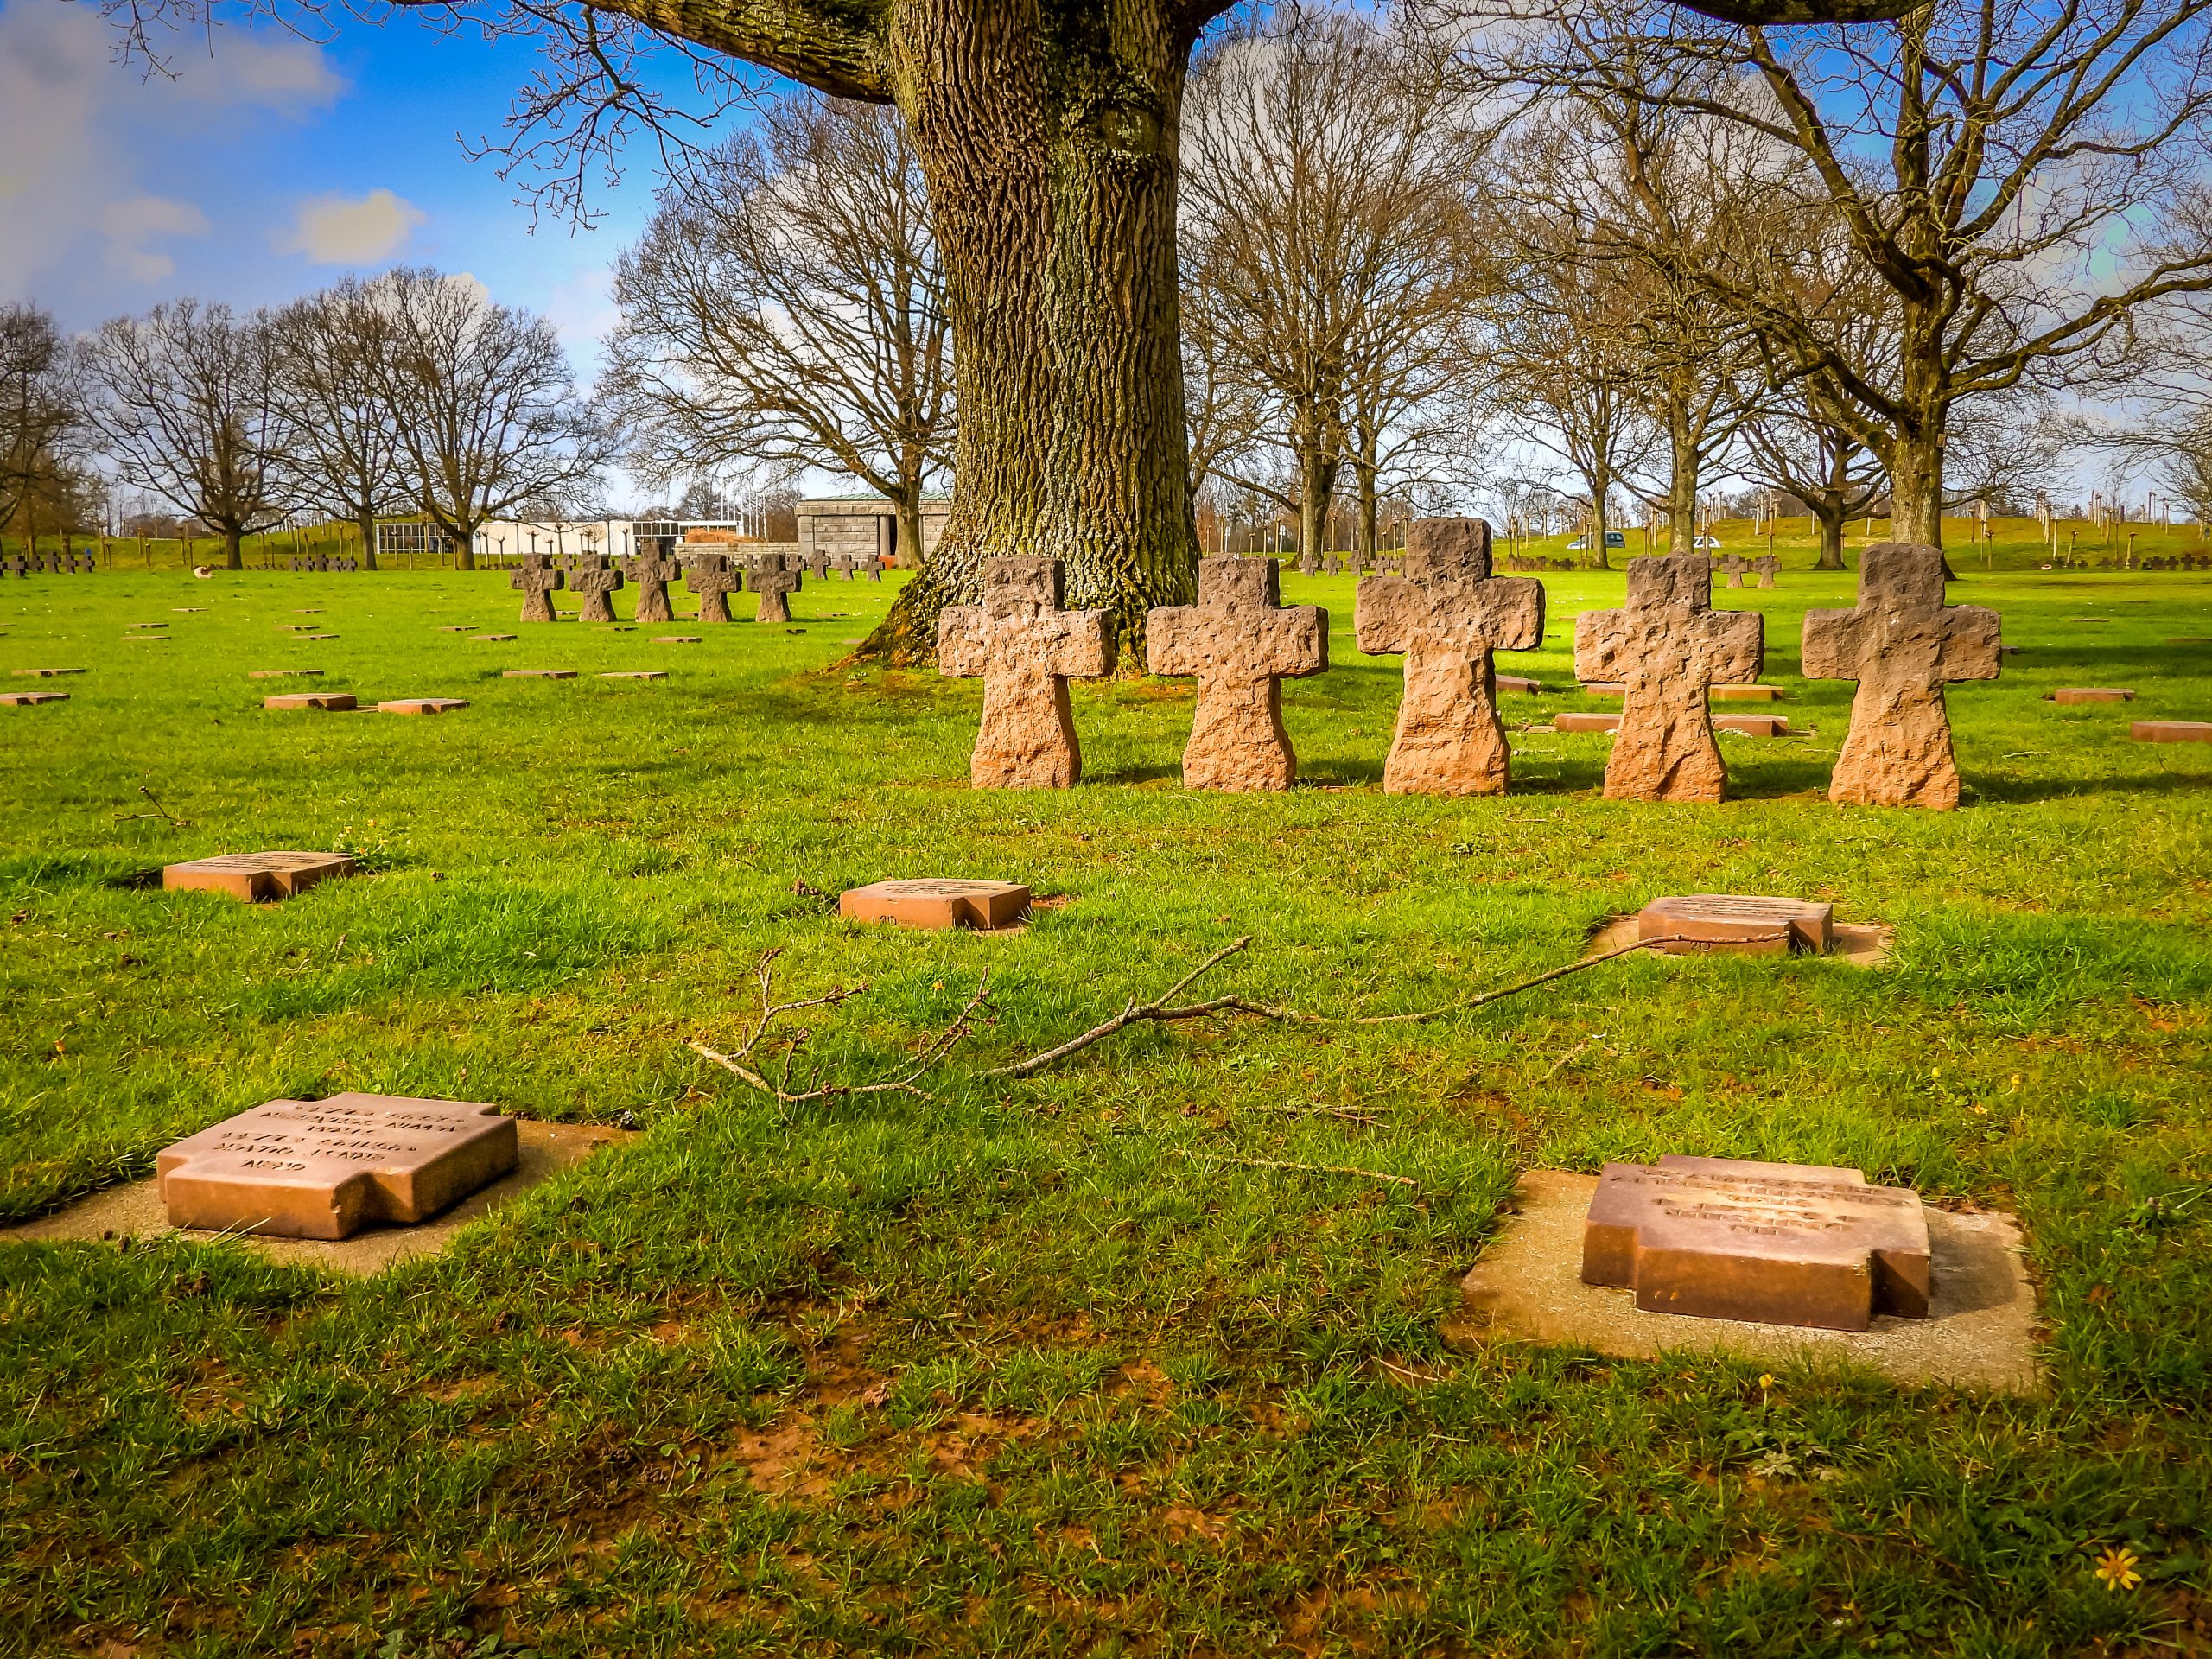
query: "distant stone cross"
1308, 564
536, 581
712, 582
1668, 648
1025, 647
768, 578
1902, 645
1769, 568
1240, 641
1447, 615
1733, 568
651, 572
591, 577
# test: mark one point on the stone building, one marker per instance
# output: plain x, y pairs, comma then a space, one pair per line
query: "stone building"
861, 524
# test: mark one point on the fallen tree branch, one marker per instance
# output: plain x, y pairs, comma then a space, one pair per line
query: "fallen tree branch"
1160, 1011
1308, 1169
905, 1082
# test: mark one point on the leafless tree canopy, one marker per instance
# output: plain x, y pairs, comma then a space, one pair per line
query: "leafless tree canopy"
786, 309
183, 403
483, 401
345, 450
41, 419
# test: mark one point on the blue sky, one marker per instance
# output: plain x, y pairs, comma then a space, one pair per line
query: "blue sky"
264, 165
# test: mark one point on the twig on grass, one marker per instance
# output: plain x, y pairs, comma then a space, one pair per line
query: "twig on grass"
905, 1082
1308, 1169
1160, 1009
159, 811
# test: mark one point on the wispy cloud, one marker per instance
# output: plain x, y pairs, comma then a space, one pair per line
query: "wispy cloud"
337, 230
131, 224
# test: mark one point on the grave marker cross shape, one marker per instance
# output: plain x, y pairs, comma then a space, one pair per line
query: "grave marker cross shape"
1733, 568
1446, 614
1902, 645
1240, 641
651, 572
1667, 647
1025, 647
712, 582
1769, 566
591, 577
768, 578
536, 581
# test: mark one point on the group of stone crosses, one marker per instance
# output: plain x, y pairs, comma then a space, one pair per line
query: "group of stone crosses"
322, 561
50, 564
711, 578
1735, 567
1446, 614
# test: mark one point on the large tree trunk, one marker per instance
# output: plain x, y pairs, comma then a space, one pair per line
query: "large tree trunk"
1681, 483
233, 549
1830, 519
906, 506
366, 523
1916, 465
1317, 484
1601, 480
1049, 147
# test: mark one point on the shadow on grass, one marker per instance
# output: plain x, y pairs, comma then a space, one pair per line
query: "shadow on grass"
2028, 790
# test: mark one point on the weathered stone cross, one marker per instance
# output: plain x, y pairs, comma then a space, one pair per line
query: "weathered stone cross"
711, 580
536, 582
1668, 648
1025, 647
591, 577
1769, 567
1732, 567
767, 578
1240, 641
1309, 563
1902, 643
1448, 614
651, 572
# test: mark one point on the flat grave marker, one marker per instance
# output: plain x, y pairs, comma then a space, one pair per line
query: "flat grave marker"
539, 674
1724, 1238
327, 1168
2171, 731
677, 639
1520, 685
32, 699
1573, 720
937, 903
1742, 924
635, 674
332, 701
255, 877
1753, 724
44, 673
489, 638
283, 673
421, 705
2073, 694
1747, 694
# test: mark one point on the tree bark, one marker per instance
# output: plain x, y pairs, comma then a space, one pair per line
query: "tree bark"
1049, 146
366, 523
1317, 484
907, 507
1683, 464
1916, 467
1831, 521
233, 549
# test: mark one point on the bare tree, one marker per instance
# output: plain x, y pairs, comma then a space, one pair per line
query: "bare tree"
344, 442
183, 405
1797, 444
1326, 231
484, 404
2023, 183
40, 416
785, 308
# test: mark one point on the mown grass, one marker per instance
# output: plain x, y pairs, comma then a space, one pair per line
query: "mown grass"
1035, 1368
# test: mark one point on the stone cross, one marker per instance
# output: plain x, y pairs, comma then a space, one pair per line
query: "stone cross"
711, 580
1308, 564
846, 567
1025, 647
651, 572
767, 578
1902, 645
591, 577
1769, 568
1668, 648
1733, 568
1447, 615
819, 570
536, 581
1240, 641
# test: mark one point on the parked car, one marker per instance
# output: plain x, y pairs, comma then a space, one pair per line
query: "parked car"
1613, 538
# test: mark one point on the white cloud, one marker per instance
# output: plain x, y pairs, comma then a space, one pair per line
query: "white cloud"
130, 225
282, 74
336, 231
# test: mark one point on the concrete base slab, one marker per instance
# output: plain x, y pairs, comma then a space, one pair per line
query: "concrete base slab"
1979, 1332
135, 1211
1862, 945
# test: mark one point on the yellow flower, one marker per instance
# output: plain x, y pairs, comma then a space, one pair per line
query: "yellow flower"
1766, 1379
2116, 1568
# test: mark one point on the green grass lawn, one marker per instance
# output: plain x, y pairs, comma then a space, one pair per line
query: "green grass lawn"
1039, 1368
